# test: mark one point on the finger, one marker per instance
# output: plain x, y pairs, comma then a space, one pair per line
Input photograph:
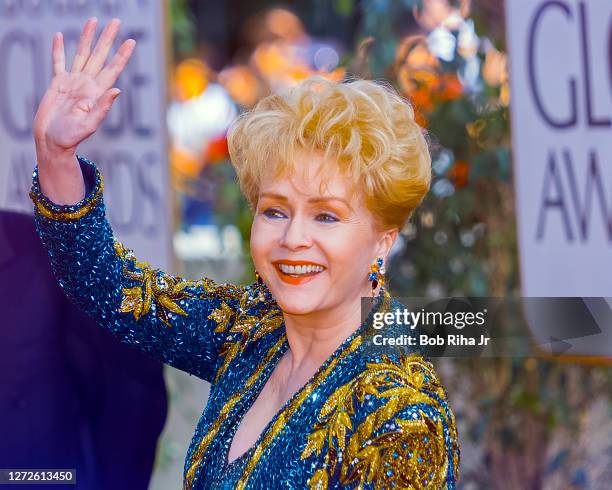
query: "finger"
59, 57
103, 46
103, 106
84, 47
108, 76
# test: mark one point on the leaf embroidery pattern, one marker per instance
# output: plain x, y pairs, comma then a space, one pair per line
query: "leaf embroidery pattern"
158, 291
249, 327
384, 449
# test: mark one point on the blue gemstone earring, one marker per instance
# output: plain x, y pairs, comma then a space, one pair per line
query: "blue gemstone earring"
376, 276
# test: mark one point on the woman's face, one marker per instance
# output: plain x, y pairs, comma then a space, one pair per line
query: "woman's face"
313, 246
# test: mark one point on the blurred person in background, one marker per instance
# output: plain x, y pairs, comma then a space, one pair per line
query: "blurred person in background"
331, 171
72, 397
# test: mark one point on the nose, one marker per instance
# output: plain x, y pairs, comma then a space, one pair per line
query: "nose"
296, 234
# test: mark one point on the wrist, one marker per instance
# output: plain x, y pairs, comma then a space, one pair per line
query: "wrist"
60, 178
50, 155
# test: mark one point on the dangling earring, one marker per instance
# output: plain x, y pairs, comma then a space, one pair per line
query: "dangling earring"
377, 270
260, 285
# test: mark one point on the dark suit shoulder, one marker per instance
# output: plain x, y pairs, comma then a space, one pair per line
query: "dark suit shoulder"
19, 230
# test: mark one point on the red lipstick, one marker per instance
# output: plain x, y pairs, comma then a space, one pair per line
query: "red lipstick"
296, 279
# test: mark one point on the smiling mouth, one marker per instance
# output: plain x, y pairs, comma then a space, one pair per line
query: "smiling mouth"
299, 272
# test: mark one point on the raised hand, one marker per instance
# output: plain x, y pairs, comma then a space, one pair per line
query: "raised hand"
74, 106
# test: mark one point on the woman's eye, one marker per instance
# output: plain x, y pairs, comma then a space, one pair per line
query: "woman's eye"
327, 218
273, 213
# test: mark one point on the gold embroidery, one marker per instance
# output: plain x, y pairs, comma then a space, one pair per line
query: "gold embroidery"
224, 291
269, 322
212, 431
69, 215
251, 328
222, 316
283, 416
319, 479
155, 286
405, 456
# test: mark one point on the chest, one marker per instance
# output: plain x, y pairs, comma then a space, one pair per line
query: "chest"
276, 426
277, 391
254, 445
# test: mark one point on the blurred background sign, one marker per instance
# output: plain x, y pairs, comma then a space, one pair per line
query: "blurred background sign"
561, 77
561, 105
130, 148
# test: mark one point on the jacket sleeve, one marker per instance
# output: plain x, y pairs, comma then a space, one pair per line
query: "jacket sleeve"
183, 323
391, 427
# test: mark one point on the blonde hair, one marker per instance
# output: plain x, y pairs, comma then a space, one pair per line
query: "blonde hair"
364, 126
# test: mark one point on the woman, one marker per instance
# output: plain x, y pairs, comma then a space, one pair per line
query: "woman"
331, 171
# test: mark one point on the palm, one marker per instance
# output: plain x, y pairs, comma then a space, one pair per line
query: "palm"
77, 102
66, 112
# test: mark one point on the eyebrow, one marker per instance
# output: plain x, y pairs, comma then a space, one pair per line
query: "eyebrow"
280, 197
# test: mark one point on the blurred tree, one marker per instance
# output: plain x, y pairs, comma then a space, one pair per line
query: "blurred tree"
183, 27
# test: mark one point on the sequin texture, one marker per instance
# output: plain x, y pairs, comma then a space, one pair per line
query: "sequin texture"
364, 420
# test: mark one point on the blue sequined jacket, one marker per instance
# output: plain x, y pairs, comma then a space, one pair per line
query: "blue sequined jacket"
365, 419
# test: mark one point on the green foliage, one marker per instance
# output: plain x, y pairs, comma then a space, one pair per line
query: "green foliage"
184, 29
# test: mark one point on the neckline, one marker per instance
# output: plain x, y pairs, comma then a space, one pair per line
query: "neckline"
255, 392
238, 460
381, 301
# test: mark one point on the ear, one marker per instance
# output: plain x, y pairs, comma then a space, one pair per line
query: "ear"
386, 241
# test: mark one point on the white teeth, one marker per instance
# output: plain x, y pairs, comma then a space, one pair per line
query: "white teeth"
300, 269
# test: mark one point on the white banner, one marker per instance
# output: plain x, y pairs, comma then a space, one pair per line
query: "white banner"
131, 146
561, 78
